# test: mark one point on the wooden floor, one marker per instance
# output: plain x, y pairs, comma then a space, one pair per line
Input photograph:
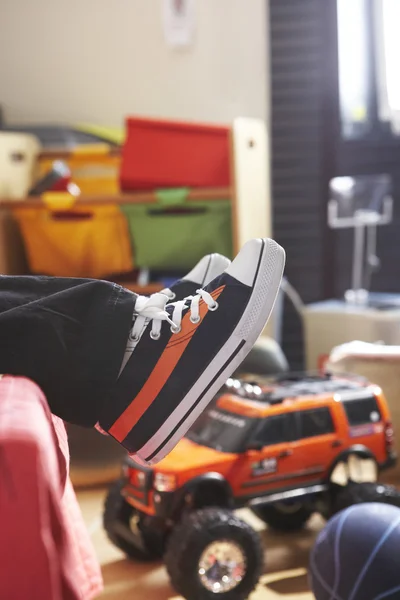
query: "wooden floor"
286, 560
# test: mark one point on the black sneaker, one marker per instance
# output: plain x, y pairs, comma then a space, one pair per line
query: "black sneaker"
176, 370
209, 267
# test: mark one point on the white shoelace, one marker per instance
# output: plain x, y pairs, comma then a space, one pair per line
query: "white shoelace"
171, 295
153, 309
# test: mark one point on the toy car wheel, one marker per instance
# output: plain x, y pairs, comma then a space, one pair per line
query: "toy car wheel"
213, 552
128, 529
357, 493
284, 516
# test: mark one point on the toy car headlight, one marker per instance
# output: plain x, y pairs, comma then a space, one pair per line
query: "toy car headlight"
138, 478
164, 482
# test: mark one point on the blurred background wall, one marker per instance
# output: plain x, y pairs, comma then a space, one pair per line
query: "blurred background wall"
98, 60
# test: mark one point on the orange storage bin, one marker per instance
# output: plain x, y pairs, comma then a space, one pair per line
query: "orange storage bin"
87, 241
163, 154
94, 169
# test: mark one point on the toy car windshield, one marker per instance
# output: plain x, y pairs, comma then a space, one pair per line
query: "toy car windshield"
221, 430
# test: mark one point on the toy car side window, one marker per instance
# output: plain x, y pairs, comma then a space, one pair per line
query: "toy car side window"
362, 411
276, 430
317, 421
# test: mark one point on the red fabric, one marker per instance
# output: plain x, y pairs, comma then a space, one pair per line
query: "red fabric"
45, 550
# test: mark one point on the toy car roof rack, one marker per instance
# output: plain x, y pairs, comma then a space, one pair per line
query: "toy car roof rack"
295, 385
248, 390
311, 376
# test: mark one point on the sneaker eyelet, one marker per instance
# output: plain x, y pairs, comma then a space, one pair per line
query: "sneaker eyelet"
172, 296
175, 329
134, 338
196, 320
213, 306
154, 336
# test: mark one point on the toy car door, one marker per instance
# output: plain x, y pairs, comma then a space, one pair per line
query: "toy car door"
317, 443
271, 462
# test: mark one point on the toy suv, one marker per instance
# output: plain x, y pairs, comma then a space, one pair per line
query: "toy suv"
294, 446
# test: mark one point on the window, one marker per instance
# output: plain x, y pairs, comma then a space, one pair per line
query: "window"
368, 51
362, 411
317, 421
387, 15
354, 69
276, 430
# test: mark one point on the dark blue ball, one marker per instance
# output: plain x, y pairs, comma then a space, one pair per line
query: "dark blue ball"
357, 555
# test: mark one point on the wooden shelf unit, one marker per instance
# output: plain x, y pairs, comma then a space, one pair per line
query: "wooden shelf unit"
250, 190
123, 198
249, 194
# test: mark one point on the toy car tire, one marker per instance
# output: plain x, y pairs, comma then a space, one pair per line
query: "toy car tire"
117, 511
357, 493
199, 533
279, 519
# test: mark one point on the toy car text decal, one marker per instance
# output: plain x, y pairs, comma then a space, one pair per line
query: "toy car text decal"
359, 430
264, 467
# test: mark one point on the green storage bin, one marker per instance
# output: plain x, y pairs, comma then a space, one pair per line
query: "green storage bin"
175, 234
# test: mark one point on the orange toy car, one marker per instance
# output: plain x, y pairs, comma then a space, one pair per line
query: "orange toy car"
299, 444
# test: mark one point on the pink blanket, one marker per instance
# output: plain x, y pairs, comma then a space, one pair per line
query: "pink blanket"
45, 549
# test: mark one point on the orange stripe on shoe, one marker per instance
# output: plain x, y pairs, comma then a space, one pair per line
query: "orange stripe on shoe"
160, 374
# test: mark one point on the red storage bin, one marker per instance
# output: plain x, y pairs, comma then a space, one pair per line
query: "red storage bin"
162, 154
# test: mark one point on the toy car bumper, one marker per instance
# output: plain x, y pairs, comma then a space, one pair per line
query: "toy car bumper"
164, 504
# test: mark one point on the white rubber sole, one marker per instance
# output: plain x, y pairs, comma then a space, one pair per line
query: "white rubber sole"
257, 313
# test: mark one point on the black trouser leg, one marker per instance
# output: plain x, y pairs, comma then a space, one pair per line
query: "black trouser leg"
67, 335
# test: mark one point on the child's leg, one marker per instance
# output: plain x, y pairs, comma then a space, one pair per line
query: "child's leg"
70, 336
67, 335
